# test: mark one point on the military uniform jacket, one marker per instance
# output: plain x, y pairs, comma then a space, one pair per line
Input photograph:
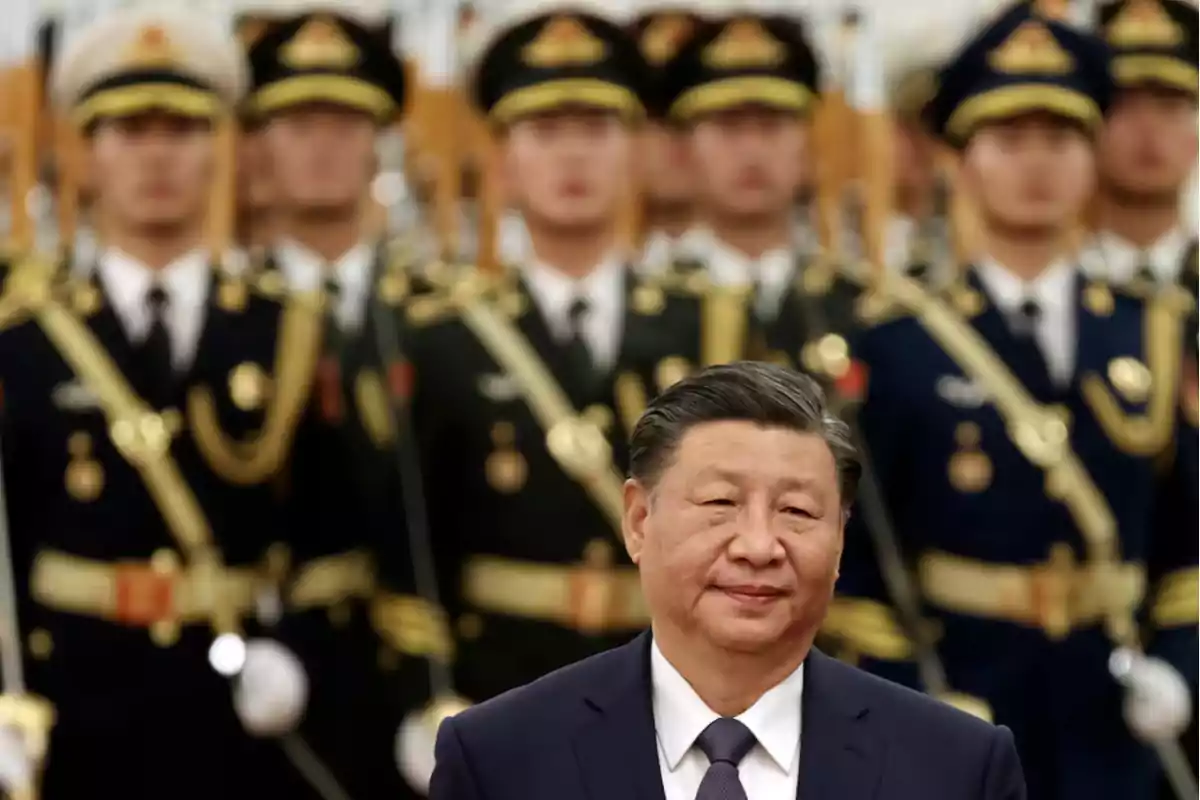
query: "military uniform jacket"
524, 460
1026, 509
115, 506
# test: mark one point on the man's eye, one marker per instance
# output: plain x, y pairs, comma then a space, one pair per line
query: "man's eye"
718, 501
798, 512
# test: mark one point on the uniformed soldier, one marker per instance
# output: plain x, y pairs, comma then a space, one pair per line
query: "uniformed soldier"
526, 390
139, 559
362, 608
668, 193
1015, 423
1147, 148
255, 189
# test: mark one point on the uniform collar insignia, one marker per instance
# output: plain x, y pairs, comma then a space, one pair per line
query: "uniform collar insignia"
744, 44
152, 49
320, 43
1031, 48
563, 42
1142, 23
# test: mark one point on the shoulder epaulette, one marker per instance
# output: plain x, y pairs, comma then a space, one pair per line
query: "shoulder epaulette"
467, 284
29, 283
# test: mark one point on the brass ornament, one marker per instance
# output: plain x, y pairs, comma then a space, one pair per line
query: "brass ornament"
85, 299
374, 408
1131, 378
506, 468
232, 295
564, 42
321, 43
744, 44
1031, 48
670, 371
393, 288
1098, 299
152, 49
84, 477
970, 469
248, 386
648, 300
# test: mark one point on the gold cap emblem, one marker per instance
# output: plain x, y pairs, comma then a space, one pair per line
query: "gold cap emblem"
151, 49
664, 36
1142, 23
563, 42
320, 43
744, 44
1031, 48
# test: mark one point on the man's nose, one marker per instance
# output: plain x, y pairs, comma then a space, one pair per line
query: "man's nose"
756, 542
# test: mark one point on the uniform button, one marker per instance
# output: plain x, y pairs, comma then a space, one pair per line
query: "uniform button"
41, 645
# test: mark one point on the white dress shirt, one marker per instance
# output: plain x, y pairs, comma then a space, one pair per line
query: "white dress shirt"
658, 253
1054, 293
127, 283
306, 271
772, 272
1118, 260
770, 771
604, 290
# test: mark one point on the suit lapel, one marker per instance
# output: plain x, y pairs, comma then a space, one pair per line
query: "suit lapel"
617, 749
839, 756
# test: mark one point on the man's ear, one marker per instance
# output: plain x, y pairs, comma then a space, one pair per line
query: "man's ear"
633, 523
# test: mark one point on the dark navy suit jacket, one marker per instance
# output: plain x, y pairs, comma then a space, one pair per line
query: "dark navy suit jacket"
586, 732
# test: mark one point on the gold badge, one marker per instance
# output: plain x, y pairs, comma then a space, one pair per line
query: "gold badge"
232, 295
670, 371
506, 468
1031, 48
374, 408
393, 288
152, 49
970, 468
320, 43
744, 44
1131, 378
1142, 24
248, 386
85, 299
664, 36
563, 42
1098, 299
84, 477
827, 357
648, 300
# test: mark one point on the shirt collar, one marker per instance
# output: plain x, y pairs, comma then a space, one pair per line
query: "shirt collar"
729, 266
1121, 258
1051, 289
306, 269
127, 280
681, 716
554, 289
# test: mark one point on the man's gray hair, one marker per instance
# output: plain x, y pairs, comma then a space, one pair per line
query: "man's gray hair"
749, 391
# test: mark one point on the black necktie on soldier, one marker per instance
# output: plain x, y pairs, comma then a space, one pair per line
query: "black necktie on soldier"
154, 353
580, 359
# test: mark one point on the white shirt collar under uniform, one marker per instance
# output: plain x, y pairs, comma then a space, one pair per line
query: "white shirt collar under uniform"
772, 272
770, 770
604, 291
1054, 292
1118, 260
127, 283
306, 271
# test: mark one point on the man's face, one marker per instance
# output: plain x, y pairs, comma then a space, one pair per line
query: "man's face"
738, 543
322, 157
1031, 173
568, 169
1148, 145
666, 166
750, 160
153, 170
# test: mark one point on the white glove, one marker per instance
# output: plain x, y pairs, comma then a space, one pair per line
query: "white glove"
271, 692
16, 762
1158, 705
417, 737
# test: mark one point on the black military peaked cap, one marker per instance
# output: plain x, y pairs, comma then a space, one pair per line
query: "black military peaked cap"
326, 58
740, 60
1154, 42
557, 58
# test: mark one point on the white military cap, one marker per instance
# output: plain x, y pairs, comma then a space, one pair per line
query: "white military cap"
138, 60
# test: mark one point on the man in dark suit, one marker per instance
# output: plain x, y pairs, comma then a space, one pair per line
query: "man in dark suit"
741, 484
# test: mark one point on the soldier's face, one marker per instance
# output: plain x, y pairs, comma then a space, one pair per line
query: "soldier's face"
153, 170
1034, 172
667, 175
750, 161
739, 540
1148, 145
568, 169
322, 157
